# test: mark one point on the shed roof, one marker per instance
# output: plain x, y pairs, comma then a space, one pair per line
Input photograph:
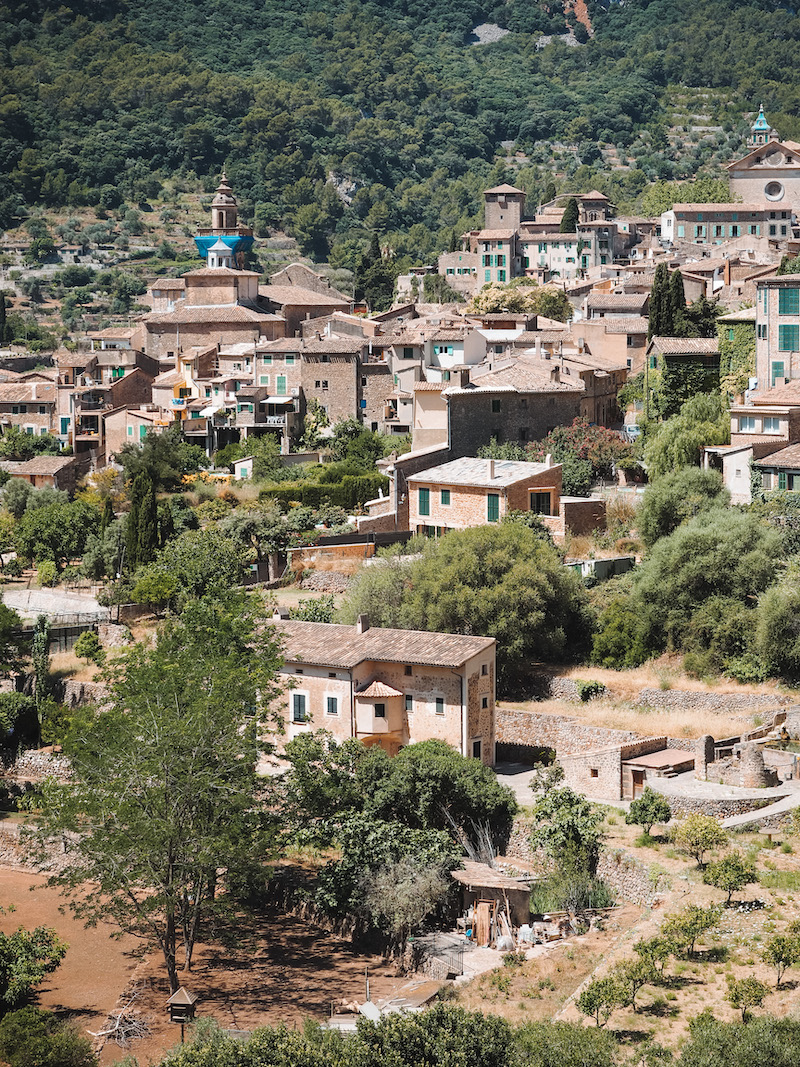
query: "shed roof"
708, 346
481, 875
788, 458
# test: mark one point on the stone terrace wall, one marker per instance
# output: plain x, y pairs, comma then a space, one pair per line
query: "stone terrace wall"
717, 807
686, 700
565, 733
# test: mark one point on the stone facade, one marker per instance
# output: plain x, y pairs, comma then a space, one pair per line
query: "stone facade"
522, 417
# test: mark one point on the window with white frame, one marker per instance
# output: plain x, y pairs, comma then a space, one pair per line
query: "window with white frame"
331, 704
299, 707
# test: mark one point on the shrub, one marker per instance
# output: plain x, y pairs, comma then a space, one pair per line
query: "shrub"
47, 572
587, 690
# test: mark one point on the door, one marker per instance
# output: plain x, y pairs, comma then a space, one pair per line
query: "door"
638, 783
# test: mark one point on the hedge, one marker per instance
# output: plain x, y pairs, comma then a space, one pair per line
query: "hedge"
350, 492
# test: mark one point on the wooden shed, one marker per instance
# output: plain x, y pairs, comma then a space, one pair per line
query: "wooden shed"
486, 891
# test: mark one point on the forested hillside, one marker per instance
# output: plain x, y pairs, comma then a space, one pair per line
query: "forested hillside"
336, 118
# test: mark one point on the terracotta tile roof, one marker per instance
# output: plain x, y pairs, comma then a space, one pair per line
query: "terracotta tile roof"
791, 279
292, 345
635, 324
65, 358
343, 346
708, 346
168, 283
617, 301
779, 394
170, 377
222, 272
113, 331
530, 337
23, 393
526, 376
296, 294
595, 194
475, 472
710, 209
207, 314
787, 457
494, 235
332, 645
44, 465
429, 387
377, 689
504, 188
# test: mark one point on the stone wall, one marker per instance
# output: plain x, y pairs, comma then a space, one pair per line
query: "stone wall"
39, 763
566, 733
686, 700
74, 693
717, 807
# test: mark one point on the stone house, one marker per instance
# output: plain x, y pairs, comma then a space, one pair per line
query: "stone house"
715, 223
472, 492
389, 687
777, 330
29, 404
623, 771
49, 472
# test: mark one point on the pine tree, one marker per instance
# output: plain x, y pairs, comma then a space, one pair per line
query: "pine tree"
571, 216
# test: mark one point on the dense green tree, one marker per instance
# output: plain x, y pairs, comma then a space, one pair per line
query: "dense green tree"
566, 825
730, 873
31, 1037
498, 581
746, 993
58, 532
375, 277
685, 927
571, 217
163, 788
782, 951
717, 1044
676, 442
201, 562
26, 958
676, 497
164, 457
648, 809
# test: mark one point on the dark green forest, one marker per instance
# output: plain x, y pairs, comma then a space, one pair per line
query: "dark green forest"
338, 119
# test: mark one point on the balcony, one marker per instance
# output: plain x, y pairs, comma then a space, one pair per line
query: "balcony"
91, 401
178, 403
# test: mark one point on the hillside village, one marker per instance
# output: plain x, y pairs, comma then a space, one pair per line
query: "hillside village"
463, 631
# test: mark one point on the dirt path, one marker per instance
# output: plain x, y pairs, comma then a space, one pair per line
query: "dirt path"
582, 14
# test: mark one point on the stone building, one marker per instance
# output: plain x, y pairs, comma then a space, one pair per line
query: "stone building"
389, 687
770, 171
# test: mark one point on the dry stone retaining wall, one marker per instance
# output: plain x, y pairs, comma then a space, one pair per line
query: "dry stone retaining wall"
564, 732
686, 700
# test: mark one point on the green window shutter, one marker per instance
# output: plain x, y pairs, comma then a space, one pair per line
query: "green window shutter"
789, 301
781, 479
281, 386
298, 707
492, 507
788, 338
424, 501
333, 706
777, 370
445, 496
65, 424
142, 432
130, 431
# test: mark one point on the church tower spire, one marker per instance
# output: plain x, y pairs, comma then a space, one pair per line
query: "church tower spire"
224, 243
760, 130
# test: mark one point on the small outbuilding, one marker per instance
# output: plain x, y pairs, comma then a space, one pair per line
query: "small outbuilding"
486, 892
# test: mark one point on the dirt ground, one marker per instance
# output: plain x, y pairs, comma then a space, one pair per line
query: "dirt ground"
96, 967
284, 972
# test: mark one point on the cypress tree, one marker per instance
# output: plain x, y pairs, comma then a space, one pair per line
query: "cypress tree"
147, 541
4, 331
677, 306
138, 490
569, 220
660, 317
107, 516
166, 523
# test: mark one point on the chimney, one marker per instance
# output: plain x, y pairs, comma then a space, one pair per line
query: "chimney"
362, 624
280, 613
548, 460
33, 390
491, 470
555, 374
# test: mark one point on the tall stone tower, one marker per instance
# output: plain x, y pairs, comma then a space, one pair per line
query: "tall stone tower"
224, 232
